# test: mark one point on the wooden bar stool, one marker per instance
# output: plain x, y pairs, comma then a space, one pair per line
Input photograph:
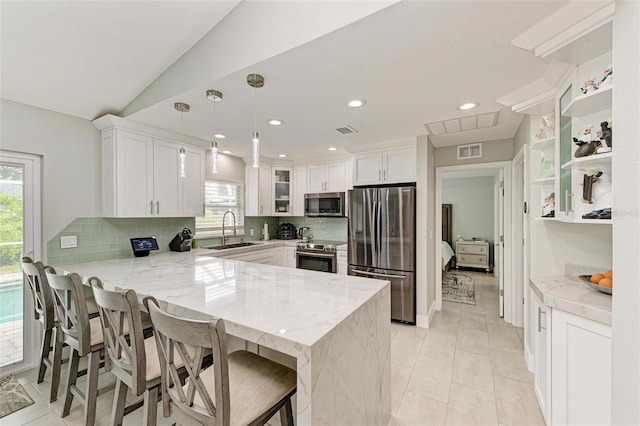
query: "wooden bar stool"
44, 311
130, 357
241, 388
83, 335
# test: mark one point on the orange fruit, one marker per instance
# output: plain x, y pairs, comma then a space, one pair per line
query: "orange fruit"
609, 274
595, 278
606, 282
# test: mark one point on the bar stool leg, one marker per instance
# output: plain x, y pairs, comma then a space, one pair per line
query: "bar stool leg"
57, 364
73, 375
150, 413
44, 354
286, 414
92, 388
119, 401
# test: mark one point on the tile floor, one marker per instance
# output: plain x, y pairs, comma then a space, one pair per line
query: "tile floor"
468, 369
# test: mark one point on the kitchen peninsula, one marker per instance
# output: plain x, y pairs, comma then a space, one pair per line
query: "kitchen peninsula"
336, 327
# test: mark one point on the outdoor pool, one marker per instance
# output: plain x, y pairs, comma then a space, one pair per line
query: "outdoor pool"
11, 302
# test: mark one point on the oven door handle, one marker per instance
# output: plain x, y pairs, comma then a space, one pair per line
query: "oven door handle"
315, 254
375, 274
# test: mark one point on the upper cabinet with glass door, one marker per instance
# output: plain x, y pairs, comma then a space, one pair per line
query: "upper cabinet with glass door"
282, 191
586, 143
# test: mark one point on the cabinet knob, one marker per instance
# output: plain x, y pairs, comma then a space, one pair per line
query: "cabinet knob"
157, 207
151, 207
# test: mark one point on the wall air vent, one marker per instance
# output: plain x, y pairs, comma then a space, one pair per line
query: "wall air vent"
346, 130
466, 152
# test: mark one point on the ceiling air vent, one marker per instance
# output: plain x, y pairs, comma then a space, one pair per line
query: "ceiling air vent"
346, 130
466, 152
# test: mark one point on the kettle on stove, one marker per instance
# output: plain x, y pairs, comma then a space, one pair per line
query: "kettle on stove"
303, 233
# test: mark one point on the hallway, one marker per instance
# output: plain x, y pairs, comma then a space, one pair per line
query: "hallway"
468, 369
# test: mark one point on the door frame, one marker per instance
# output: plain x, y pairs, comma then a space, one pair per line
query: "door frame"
32, 236
506, 168
519, 236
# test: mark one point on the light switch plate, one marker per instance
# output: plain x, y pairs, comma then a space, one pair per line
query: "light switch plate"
69, 241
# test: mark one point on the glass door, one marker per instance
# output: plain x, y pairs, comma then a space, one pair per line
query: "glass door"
19, 236
281, 192
566, 155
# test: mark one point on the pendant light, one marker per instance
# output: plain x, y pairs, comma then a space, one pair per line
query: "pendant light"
214, 96
182, 107
256, 81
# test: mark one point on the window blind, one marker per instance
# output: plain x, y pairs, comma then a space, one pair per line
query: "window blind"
220, 197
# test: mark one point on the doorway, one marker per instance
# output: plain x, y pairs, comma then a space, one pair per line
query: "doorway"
19, 236
501, 250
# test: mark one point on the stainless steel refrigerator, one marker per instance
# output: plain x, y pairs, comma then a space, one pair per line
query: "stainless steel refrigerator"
382, 242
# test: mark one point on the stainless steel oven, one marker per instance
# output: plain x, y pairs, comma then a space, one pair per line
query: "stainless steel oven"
317, 256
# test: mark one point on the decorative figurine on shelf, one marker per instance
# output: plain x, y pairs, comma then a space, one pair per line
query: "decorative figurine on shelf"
586, 146
549, 208
605, 138
589, 179
607, 76
589, 86
547, 126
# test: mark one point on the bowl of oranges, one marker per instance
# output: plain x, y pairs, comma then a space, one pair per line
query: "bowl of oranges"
601, 282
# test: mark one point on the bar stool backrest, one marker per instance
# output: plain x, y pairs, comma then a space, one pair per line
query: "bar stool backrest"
72, 311
43, 304
123, 334
191, 339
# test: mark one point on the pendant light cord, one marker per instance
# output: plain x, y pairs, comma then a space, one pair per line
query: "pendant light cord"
255, 107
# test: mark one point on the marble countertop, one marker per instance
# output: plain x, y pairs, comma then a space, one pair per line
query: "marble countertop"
258, 245
570, 294
292, 308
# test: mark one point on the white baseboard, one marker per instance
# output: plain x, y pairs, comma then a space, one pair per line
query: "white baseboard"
528, 358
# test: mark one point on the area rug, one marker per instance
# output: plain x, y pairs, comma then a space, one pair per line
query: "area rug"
458, 287
13, 397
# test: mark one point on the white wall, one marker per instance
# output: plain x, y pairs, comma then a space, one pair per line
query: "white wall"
472, 201
70, 150
500, 150
425, 222
230, 168
625, 391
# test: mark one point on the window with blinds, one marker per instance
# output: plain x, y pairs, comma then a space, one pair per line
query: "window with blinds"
220, 197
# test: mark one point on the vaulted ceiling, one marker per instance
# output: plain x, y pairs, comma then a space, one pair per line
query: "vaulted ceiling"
414, 63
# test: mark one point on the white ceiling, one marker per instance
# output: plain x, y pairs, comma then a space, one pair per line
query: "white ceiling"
413, 62
87, 59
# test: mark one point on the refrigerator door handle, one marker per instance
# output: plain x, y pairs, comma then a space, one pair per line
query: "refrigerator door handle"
375, 274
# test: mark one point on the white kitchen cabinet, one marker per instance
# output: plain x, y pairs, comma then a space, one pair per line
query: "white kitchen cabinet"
258, 191
282, 191
299, 189
391, 166
289, 257
263, 256
581, 370
141, 176
330, 177
542, 355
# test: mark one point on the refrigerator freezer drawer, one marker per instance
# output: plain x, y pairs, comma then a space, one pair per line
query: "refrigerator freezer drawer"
403, 291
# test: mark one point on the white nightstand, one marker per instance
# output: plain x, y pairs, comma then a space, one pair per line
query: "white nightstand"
473, 254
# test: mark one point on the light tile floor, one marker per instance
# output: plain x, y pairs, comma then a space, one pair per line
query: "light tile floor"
468, 369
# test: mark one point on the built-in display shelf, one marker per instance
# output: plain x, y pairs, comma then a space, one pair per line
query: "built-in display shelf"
587, 221
543, 144
545, 219
591, 162
597, 100
544, 181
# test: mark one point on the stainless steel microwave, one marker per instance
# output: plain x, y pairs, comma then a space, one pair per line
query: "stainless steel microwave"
324, 204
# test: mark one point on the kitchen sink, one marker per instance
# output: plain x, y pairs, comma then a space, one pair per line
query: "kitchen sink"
230, 246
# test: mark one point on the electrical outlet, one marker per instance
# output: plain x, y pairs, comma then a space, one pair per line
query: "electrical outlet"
251, 232
69, 241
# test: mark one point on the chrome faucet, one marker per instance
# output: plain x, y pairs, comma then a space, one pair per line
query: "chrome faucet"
225, 237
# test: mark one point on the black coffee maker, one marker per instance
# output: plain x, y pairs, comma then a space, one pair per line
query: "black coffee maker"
286, 231
182, 241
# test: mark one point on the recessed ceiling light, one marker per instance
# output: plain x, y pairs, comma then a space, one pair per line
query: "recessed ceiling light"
226, 151
468, 105
219, 136
282, 155
276, 122
333, 148
356, 103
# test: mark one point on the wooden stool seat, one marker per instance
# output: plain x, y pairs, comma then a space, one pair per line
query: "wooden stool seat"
256, 384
